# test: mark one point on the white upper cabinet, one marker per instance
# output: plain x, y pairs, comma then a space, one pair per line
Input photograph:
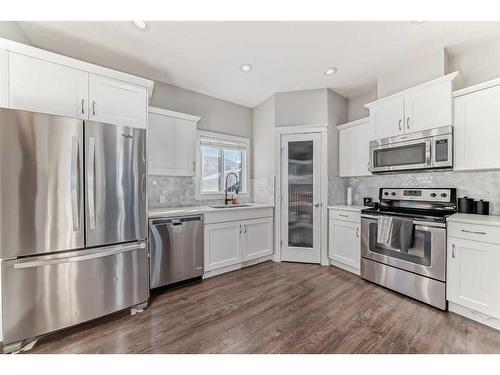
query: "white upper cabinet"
423, 107
4, 79
117, 102
387, 117
428, 108
354, 139
477, 129
171, 143
35, 80
40, 86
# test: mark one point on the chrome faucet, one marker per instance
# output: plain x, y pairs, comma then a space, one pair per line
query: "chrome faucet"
226, 199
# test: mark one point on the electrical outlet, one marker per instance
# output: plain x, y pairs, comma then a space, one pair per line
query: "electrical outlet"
162, 199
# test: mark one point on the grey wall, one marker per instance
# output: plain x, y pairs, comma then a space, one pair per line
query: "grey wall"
356, 106
477, 185
216, 115
11, 30
263, 139
304, 107
336, 115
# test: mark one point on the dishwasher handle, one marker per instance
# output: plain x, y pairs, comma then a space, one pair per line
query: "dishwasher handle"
175, 220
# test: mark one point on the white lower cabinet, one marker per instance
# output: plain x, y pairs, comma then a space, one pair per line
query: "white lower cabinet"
228, 245
473, 277
223, 245
258, 238
344, 240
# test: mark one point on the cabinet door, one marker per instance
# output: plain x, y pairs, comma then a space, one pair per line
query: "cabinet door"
223, 244
344, 245
387, 117
39, 86
477, 130
4, 80
117, 102
354, 150
258, 238
473, 279
171, 146
428, 108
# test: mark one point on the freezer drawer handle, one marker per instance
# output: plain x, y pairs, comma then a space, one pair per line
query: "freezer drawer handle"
91, 183
94, 255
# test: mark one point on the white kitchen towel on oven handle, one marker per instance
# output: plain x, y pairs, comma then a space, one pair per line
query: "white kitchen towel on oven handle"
384, 230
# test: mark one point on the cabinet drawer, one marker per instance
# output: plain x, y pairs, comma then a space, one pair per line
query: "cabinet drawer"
343, 215
474, 232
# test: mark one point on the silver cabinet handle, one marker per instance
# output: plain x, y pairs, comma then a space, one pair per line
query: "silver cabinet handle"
453, 250
91, 183
343, 215
91, 255
408, 122
240, 229
194, 167
399, 125
471, 231
357, 232
75, 183
83, 106
245, 229
93, 107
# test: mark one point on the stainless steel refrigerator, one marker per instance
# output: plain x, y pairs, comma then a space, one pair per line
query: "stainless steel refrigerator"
72, 222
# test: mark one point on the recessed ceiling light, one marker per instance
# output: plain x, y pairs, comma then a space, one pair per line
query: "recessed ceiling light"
245, 68
141, 25
331, 71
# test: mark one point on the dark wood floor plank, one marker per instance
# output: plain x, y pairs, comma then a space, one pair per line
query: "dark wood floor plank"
279, 308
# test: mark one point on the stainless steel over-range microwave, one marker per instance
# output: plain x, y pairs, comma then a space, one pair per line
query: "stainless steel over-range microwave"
428, 149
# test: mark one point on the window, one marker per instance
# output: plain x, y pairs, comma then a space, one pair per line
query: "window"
220, 155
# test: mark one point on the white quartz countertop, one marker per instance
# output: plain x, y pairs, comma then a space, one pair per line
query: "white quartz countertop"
345, 207
197, 210
492, 220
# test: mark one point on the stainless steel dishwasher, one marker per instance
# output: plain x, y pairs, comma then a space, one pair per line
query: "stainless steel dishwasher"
176, 247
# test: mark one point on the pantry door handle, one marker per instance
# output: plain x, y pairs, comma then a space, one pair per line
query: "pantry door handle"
316, 204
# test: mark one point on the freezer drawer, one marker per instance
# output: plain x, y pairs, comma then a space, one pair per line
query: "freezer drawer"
176, 249
51, 292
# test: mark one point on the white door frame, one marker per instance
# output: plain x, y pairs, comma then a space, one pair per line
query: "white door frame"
302, 129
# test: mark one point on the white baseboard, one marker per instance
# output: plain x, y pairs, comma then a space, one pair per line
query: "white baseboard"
237, 266
474, 315
345, 267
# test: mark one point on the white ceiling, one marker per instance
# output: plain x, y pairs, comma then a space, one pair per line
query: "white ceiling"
206, 56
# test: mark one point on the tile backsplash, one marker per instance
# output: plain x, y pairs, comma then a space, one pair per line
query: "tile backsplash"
478, 185
173, 191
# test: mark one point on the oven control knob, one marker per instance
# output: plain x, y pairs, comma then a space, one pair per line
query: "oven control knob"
386, 193
433, 195
393, 193
444, 195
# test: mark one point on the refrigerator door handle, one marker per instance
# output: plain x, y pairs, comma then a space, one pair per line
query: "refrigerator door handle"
75, 183
89, 255
91, 183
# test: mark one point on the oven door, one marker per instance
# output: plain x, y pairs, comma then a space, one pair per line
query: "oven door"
407, 155
426, 257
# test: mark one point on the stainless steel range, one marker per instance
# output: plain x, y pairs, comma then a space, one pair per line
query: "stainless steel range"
403, 242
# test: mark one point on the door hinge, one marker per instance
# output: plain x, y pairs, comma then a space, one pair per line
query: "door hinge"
281, 243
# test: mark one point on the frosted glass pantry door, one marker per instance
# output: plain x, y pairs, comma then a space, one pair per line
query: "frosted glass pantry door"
301, 210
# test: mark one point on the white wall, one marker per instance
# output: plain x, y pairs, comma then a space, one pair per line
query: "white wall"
411, 73
356, 106
216, 115
477, 63
304, 107
337, 115
263, 139
11, 30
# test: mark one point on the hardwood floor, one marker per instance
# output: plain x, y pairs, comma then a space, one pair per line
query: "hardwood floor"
279, 308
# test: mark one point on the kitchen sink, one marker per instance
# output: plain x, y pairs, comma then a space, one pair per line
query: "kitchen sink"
229, 206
